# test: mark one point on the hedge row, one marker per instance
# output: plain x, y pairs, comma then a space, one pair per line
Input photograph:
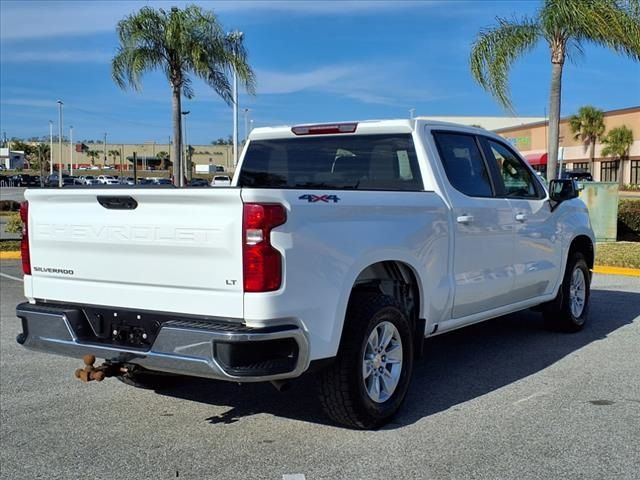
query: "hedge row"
9, 206
629, 217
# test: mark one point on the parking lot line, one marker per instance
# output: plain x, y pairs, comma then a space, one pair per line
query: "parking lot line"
11, 277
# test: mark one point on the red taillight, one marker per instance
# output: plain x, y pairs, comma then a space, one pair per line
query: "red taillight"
325, 129
24, 244
262, 263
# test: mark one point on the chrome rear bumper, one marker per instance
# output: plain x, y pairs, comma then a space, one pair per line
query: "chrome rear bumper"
180, 347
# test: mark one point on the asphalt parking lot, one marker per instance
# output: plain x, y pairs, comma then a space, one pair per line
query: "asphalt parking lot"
500, 400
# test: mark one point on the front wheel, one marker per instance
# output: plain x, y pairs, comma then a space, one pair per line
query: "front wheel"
569, 310
369, 379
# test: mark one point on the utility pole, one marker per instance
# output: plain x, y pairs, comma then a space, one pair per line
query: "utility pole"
235, 37
105, 150
71, 150
50, 147
60, 143
246, 125
185, 150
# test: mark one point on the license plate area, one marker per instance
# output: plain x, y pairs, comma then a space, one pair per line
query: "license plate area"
122, 327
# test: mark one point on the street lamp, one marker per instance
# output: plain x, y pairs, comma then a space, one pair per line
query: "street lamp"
71, 150
50, 147
235, 38
60, 142
185, 151
105, 150
246, 125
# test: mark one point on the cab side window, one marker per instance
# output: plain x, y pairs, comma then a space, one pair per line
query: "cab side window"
518, 181
463, 163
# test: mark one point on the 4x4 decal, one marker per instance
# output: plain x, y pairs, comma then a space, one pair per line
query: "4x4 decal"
319, 198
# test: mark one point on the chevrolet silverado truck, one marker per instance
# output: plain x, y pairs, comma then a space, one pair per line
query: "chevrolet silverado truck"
336, 250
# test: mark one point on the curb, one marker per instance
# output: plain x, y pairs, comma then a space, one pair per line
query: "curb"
629, 272
14, 255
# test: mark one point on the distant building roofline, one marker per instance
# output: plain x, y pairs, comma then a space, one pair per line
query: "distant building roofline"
606, 113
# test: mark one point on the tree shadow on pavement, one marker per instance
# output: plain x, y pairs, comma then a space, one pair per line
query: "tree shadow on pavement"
457, 367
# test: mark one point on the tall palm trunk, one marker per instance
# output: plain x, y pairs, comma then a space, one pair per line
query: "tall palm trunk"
176, 108
554, 119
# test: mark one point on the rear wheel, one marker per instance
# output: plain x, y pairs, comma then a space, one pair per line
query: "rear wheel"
367, 383
569, 310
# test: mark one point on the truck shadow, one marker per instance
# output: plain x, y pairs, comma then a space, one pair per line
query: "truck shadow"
457, 367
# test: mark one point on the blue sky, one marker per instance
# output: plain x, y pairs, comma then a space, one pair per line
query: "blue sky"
315, 62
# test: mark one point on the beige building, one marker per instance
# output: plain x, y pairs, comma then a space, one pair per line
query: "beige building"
120, 155
531, 140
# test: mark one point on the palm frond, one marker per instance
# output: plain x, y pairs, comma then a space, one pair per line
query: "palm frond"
496, 49
614, 24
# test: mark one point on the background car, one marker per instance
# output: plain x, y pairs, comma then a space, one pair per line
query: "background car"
127, 181
162, 181
199, 182
580, 176
221, 180
104, 179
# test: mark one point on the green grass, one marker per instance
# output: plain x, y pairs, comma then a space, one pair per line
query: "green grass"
619, 254
9, 245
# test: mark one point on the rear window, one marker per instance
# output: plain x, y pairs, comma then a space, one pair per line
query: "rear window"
357, 162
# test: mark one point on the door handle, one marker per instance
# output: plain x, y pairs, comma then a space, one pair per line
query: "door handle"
465, 219
521, 217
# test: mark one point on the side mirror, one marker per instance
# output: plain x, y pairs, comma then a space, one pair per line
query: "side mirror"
561, 191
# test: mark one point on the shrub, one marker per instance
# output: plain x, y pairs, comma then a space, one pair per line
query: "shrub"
14, 224
629, 217
9, 206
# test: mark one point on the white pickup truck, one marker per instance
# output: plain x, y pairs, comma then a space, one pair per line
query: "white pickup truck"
336, 249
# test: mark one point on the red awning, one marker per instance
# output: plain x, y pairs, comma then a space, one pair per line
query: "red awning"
536, 159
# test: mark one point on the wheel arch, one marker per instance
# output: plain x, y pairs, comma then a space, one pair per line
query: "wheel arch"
395, 278
584, 245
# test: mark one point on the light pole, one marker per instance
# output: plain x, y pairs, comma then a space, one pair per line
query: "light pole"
235, 37
104, 162
185, 150
71, 150
60, 142
50, 147
246, 125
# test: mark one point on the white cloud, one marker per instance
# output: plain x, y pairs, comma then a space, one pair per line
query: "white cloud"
41, 19
366, 83
272, 82
60, 56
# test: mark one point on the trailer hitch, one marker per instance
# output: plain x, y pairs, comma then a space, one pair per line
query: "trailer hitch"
89, 372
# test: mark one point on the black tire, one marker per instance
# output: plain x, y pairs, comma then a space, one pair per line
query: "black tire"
149, 380
558, 314
341, 386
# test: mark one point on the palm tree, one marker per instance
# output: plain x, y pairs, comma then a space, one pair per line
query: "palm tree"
181, 43
617, 144
588, 126
93, 154
113, 154
164, 159
565, 25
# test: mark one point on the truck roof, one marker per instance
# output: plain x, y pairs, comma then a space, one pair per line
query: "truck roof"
363, 127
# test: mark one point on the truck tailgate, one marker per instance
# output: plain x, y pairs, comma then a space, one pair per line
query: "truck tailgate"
178, 250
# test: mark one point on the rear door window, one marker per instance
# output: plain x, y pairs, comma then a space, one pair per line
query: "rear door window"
463, 163
357, 162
